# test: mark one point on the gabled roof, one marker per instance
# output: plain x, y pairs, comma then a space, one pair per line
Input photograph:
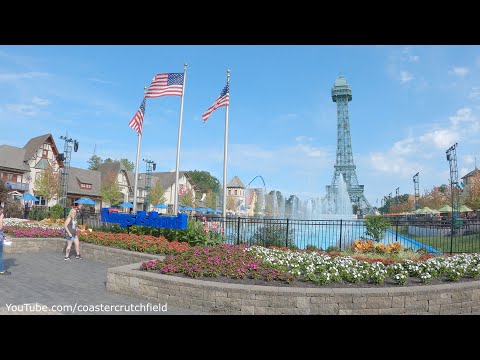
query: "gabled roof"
167, 179
77, 176
11, 157
471, 173
36, 143
109, 167
235, 183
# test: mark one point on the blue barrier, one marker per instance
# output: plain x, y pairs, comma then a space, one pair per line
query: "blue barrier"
141, 218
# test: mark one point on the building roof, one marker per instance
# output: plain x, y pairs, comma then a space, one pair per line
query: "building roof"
471, 173
166, 179
77, 176
11, 158
235, 183
112, 167
36, 143
341, 81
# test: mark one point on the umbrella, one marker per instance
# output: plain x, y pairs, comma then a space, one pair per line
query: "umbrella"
160, 206
181, 207
188, 208
208, 210
200, 210
464, 208
85, 201
217, 211
126, 205
28, 197
445, 209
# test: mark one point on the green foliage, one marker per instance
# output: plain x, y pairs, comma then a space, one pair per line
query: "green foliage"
187, 199
128, 164
211, 199
56, 212
376, 226
157, 193
38, 213
110, 190
332, 248
273, 235
94, 162
204, 181
311, 247
48, 183
12, 207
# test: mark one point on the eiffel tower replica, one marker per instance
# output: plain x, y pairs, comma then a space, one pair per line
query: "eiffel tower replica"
342, 94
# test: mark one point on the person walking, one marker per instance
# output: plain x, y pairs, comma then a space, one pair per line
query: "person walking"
2, 269
71, 233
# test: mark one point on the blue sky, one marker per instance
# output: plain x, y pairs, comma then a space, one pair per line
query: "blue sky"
410, 104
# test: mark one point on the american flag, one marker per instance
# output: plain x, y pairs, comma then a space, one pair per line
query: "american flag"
222, 100
137, 121
168, 84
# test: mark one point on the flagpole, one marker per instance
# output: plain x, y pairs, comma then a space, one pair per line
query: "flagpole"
135, 187
179, 140
225, 156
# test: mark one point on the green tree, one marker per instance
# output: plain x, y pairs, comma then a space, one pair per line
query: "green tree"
204, 181
12, 207
94, 162
376, 226
110, 190
187, 198
48, 183
128, 164
231, 203
157, 193
211, 199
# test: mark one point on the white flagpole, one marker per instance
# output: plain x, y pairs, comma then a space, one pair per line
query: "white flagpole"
179, 140
225, 156
135, 187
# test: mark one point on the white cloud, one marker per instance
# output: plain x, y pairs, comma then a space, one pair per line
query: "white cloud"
474, 93
408, 56
7, 77
462, 115
459, 71
440, 138
405, 77
22, 109
100, 81
464, 171
405, 146
392, 164
469, 159
38, 101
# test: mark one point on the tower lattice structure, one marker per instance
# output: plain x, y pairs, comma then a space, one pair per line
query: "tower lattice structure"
342, 94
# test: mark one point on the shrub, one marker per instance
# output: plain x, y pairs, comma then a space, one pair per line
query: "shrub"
56, 211
38, 214
375, 226
273, 235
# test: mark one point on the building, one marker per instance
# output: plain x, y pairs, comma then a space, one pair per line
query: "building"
236, 191
20, 167
467, 179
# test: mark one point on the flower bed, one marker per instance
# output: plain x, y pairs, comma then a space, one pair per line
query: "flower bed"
241, 262
141, 243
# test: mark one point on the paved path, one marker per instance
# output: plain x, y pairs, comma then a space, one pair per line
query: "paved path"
40, 282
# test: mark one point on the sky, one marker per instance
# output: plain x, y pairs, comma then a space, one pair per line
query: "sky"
410, 104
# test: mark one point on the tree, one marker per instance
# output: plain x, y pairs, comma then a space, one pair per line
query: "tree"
128, 164
187, 198
472, 193
204, 181
436, 198
157, 193
231, 203
94, 162
376, 226
211, 199
48, 183
110, 189
12, 207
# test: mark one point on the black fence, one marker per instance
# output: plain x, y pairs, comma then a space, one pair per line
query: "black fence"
429, 235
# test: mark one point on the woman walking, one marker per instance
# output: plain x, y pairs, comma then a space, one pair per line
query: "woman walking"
71, 234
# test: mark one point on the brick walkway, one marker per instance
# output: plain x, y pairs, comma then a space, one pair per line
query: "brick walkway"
40, 281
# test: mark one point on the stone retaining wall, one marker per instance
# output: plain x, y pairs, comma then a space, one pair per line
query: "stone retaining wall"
103, 254
227, 298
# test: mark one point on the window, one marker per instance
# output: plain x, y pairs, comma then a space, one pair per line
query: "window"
10, 176
236, 191
229, 192
85, 186
45, 150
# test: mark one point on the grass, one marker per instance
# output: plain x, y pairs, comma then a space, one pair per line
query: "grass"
460, 244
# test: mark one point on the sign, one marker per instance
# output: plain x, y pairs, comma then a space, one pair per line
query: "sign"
141, 218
